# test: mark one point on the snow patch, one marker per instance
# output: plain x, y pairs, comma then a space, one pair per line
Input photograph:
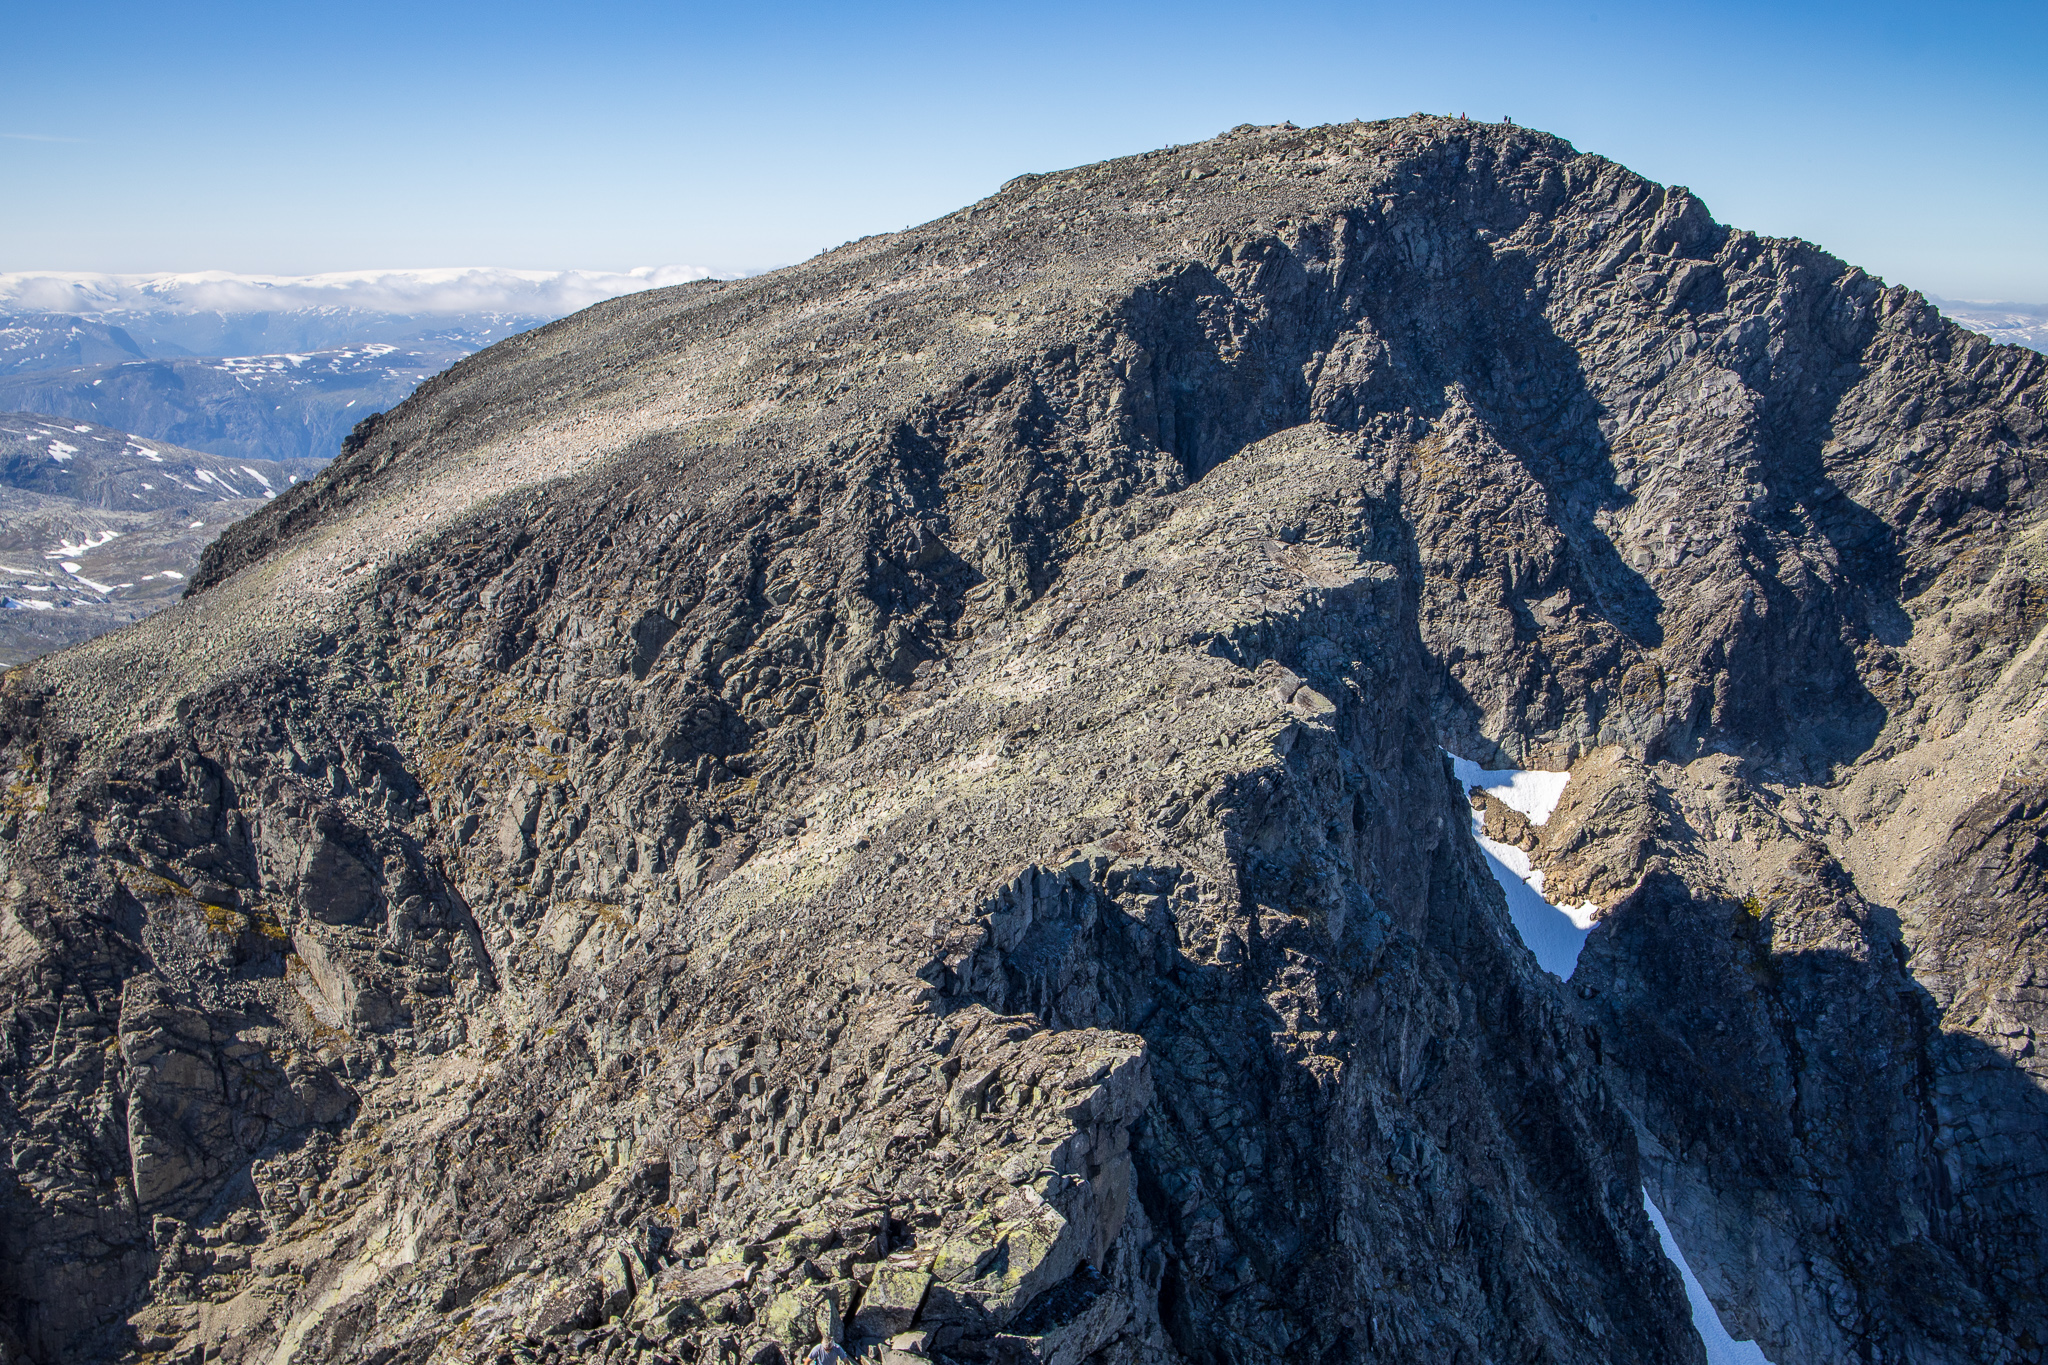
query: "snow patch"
208, 476
61, 452
1517, 864
1531, 791
1722, 1349
172, 573
65, 549
1554, 933
26, 604
72, 569
81, 428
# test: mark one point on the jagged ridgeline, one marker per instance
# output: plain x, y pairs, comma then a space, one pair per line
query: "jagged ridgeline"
902, 799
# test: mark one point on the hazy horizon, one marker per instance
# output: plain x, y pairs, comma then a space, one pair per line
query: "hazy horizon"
427, 290
284, 142
430, 290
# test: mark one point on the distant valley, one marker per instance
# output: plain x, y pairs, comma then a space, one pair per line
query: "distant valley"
2020, 324
291, 405
99, 527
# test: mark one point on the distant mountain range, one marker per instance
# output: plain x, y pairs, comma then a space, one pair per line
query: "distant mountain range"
139, 415
99, 527
2022, 324
35, 343
291, 405
266, 366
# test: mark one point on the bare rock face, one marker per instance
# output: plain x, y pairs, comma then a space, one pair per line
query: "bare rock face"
901, 800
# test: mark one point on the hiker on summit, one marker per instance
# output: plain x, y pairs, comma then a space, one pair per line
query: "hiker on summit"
827, 1352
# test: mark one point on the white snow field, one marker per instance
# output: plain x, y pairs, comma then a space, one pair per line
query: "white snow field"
1531, 791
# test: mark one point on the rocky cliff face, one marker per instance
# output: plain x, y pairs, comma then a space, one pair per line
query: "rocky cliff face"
902, 799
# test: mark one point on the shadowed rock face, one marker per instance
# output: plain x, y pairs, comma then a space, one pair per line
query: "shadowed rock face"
901, 798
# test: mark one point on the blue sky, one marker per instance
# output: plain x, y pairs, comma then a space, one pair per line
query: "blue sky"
1911, 139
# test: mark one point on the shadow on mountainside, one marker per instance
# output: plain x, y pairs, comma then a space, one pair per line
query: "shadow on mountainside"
1773, 1081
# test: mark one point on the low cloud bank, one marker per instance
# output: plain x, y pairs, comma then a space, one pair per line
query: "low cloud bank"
447, 290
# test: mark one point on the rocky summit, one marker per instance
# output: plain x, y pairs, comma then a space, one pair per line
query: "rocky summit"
905, 799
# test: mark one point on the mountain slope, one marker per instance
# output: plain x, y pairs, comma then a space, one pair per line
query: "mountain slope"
903, 795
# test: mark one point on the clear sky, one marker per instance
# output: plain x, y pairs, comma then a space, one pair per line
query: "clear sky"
1911, 139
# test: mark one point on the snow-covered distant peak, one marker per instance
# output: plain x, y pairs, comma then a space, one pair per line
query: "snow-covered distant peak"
454, 289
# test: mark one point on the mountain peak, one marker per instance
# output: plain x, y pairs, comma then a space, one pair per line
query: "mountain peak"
910, 799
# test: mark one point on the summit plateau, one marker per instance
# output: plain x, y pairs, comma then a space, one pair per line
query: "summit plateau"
907, 799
